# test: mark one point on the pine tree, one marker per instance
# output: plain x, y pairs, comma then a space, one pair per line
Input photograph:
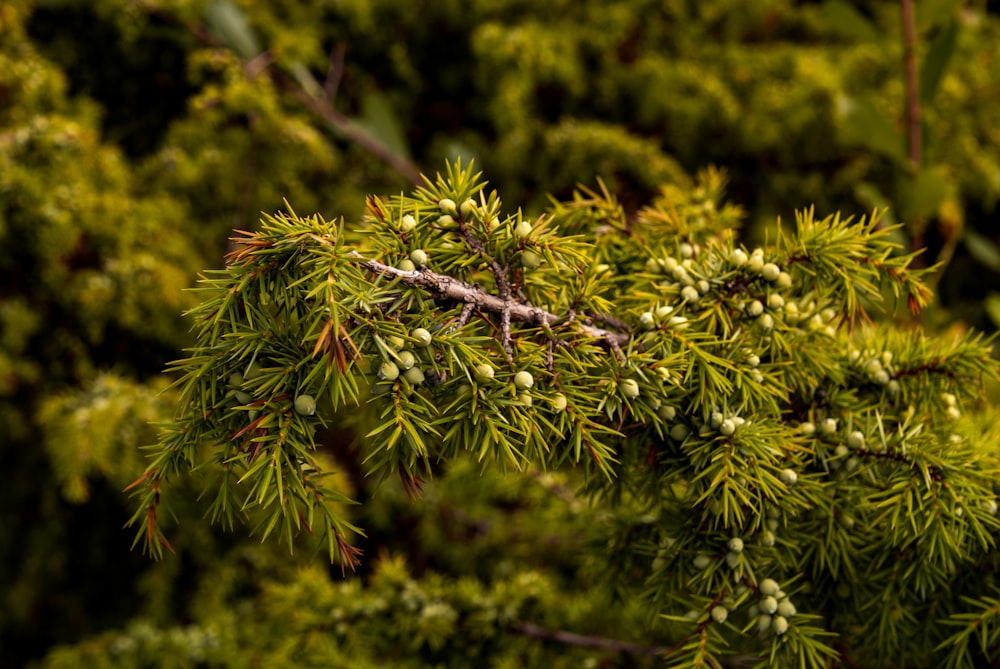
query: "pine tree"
781, 477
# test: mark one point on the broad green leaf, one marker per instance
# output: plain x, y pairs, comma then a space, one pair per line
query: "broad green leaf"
983, 249
230, 25
845, 21
380, 121
921, 195
862, 124
936, 61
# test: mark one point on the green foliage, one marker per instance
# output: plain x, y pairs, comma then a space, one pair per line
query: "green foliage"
734, 404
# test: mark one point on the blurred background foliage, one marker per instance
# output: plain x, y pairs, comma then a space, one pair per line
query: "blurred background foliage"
136, 136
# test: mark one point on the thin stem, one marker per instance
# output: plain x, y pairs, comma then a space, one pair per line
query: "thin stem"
912, 94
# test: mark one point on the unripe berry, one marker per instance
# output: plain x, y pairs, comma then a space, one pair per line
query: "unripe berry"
768, 587
828, 426
397, 342
715, 420
768, 537
531, 260
236, 380
522, 230
727, 427
775, 301
243, 398
422, 336
419, 257
733, 559
807, 428
664, 311
678, 322
755, 308
406, 265
768, 604
753, 360
767, 321
686, 250
388, 371
679, 432
738, 257
841, 450
523, 380
414, 376
763, 623
756, 263
666, 412
770, 271
407, 359
484, 373
779, 624
789, 477
701, 561
305, 405
690, 294
719, 614
784, 280
990, 506
407, 223
735, 544
647, 321
652, 267
630, 389
559, 403
786, 608
447, 206
468, 206
446, 221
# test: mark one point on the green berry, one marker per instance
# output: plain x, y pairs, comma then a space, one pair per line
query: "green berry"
253, 371
828, 426
652, 267
664, 311
679, 432
484, 373
733, 559
755, 308
647, 321
775, 301
786, 608
784, 280
719, 614
407, 223
630, 389
525, 399
756, 263
768, 538
807, 428
789, 477
406, 265
468, 206
768, 587
388, 371
522, 230
770, 272
523, 380
727, 428
768, 604
753, 360
559, 403
666, 412
447, 206
767, 321
701, 562
531, 260
690, 294
419, 257
236, 380
414, 376
243, 398
422, 336
735, 545
397, 342
779, 624
446, 221
305, 405
856, 439
763, 623
738, 257
407, 359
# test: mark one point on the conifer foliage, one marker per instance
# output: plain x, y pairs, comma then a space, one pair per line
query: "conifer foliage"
780, 478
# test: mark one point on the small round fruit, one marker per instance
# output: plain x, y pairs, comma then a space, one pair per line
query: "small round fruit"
768, 604
735, 545
755, 309
522, 230
753, 360
728, 427
525, 399
770, 272
467, 207
828, 426
447, 206
666, 412
243, 398
807, 428
407, 223
768, 587
767, 321
768, 538
720, 613
446, 220
630, 389
779, 624
305, 405
531, 260
856, 439
253, 371
484, 373
422, 336
738, 257
789, 477
419, 257
756, 263
559, 403
763, 623
236, 380
523, 380
388, 371
775, 301
701, 562
690, 294
406, 265
733, 559
647, 321
784, 280
414, 376
786, 608
679, 432
407, 359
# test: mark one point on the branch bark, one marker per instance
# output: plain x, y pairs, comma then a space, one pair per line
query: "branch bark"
532, 630
448, 288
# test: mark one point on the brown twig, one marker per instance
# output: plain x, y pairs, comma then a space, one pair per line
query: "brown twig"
912, 112
532, 630
448, 288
